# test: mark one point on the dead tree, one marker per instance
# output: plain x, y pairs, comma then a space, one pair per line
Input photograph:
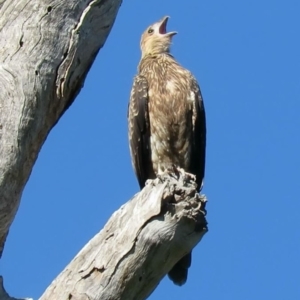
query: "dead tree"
47, 48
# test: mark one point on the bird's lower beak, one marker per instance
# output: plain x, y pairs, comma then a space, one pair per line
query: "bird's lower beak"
163, 27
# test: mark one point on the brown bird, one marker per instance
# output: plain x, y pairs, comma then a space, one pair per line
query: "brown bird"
166, 119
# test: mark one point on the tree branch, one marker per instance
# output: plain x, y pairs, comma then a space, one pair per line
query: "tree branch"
47, 48
138, 246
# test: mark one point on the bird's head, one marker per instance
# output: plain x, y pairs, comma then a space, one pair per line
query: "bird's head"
156, 40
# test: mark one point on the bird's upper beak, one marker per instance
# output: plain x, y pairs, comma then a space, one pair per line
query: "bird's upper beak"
163, 27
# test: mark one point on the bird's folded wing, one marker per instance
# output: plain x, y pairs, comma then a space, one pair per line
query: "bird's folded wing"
199, 134
139, 129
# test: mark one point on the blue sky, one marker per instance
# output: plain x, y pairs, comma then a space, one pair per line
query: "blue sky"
245, 55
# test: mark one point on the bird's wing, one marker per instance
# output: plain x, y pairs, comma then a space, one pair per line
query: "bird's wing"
199, 135
139, 129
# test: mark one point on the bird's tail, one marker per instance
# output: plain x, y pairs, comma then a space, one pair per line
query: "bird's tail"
179, 272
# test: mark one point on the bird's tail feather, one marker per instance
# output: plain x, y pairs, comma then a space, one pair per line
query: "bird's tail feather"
179, 272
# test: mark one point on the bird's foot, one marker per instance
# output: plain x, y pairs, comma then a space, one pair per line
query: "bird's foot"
186, 175
180, 174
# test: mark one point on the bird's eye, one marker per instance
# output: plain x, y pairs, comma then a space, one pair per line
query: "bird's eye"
150, 30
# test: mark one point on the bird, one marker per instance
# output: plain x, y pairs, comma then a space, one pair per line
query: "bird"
166, 119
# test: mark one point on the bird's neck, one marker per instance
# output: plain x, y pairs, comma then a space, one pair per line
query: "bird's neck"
154, 55
165, 56
159, 59
150, 58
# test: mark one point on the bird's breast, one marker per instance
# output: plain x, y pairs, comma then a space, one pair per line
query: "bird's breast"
170, 114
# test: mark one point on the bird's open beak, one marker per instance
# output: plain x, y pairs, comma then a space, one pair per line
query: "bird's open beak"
163, 27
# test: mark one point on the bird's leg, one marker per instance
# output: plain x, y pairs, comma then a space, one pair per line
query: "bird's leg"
172, 171
162, 173
185, 175
177, 172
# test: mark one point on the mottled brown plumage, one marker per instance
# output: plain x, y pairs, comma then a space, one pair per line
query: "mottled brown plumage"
166, 119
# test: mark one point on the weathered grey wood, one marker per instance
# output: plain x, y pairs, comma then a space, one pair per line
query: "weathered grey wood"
1, 3
139, 245
46, 50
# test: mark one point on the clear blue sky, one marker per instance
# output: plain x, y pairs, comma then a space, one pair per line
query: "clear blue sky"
245, 55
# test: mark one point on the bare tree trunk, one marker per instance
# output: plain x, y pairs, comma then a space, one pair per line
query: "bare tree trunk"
138, 246
46, 50
1, 3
